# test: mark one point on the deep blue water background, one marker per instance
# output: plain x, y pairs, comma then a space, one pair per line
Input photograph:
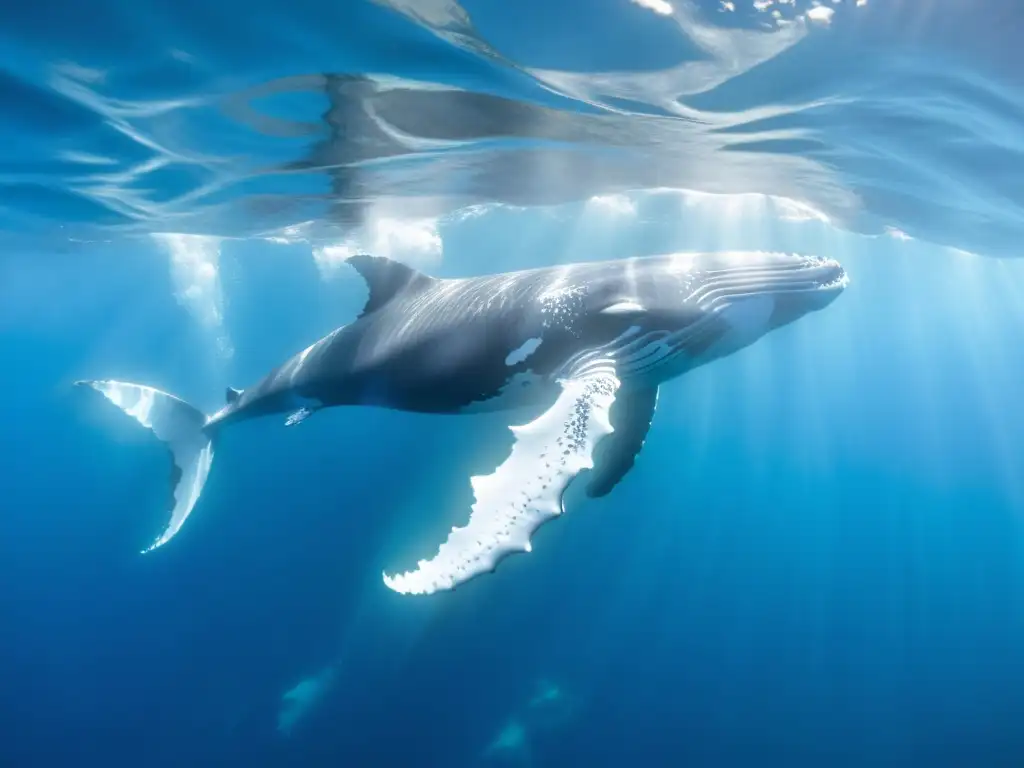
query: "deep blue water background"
818, 560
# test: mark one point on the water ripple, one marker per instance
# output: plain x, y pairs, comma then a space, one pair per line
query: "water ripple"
222, 124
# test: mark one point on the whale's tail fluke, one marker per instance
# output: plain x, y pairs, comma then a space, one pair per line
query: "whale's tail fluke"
181, 428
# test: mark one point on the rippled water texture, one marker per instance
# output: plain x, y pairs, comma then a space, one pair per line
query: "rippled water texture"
303, 119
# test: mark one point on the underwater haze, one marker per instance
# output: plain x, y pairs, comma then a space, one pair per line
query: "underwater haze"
818, 559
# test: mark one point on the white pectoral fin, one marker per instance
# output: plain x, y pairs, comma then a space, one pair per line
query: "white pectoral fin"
526, 490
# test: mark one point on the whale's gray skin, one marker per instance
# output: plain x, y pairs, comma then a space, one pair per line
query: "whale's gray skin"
590, 341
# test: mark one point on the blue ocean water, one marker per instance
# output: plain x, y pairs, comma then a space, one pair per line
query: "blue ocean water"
819, 557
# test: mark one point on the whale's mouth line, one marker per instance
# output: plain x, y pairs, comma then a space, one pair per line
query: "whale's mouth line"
841, 280
811, 275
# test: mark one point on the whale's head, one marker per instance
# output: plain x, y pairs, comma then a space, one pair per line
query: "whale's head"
687, 309
756, 292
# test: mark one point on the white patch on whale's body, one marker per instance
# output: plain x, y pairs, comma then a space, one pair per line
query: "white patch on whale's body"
519, 354
623, 308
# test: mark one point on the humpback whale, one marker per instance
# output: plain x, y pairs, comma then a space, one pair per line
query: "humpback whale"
591, 342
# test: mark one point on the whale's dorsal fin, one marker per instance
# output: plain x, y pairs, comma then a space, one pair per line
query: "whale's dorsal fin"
386, 278
232, 394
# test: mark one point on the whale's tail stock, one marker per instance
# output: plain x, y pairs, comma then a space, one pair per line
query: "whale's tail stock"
182, 429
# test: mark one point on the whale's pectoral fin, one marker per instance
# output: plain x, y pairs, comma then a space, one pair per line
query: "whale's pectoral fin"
630, 416
526, 490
